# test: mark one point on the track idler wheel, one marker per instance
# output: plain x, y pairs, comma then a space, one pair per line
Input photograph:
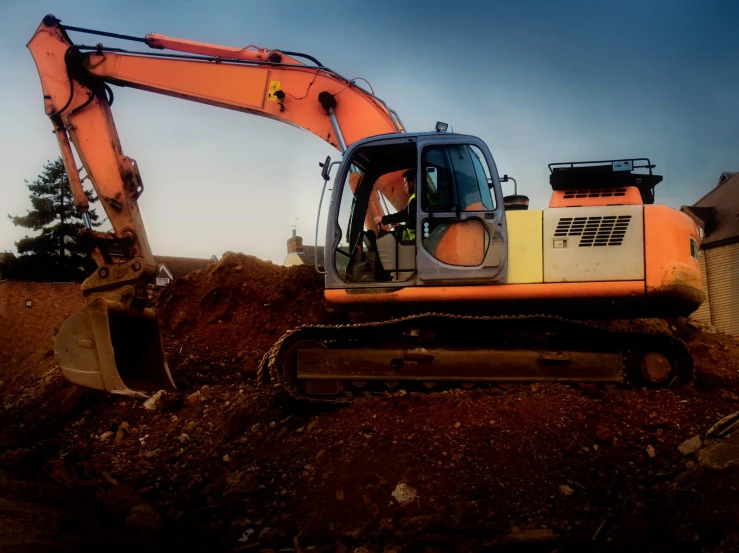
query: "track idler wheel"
656, 368
652, 369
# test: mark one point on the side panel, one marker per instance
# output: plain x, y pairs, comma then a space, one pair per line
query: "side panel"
594, 244
723, 285
671, 269
627, 195
492, 292
525, 261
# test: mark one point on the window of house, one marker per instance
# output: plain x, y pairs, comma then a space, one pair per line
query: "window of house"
162, 281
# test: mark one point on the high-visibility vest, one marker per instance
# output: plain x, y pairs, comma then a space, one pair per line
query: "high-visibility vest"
409, 233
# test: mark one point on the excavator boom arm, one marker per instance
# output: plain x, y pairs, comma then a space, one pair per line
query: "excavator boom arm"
269, 83
77, 97
296, 94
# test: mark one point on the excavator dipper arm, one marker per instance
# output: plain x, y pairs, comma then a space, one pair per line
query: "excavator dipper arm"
97, 347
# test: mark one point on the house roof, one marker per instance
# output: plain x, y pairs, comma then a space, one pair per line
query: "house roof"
719, 211
180, 266
726, 175
163, 272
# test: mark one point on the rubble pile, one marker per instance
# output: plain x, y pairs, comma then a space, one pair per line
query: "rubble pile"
234, 310
225, 465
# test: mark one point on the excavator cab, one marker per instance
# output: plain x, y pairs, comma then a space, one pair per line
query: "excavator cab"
460, 229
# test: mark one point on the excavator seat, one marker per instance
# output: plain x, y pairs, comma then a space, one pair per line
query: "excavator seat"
107, 347
398, 257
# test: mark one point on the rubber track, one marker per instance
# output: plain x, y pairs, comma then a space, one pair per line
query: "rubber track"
269, 369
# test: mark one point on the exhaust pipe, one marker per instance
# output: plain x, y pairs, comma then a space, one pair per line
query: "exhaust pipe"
105, 346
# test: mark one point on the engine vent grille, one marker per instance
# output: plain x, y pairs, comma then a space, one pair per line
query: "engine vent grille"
595, 231
596, 193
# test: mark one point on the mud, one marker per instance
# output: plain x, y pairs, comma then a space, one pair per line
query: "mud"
225, 465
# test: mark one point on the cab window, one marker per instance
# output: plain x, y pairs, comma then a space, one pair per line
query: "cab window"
455, 178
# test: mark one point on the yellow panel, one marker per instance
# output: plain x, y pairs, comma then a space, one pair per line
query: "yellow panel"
525, 258
274, 86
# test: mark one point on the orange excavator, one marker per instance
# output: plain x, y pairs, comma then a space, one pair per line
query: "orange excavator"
465, 279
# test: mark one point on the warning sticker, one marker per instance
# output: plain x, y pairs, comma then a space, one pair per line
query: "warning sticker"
274, 86
626, 165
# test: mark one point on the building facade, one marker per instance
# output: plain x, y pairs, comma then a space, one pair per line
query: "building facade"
298, 254
717, 217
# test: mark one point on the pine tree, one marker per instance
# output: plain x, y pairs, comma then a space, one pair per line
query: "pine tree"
56, 253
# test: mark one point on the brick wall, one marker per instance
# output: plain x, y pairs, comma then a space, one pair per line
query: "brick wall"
24, 329
294, 244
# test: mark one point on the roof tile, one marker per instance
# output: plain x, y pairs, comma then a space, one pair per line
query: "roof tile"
180, 266
723, 206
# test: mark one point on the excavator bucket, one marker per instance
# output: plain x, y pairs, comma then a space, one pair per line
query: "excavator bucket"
107, 347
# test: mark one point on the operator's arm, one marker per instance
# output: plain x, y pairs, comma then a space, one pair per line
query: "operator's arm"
395, 218
407, 215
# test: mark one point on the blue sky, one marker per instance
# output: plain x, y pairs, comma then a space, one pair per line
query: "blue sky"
539, 81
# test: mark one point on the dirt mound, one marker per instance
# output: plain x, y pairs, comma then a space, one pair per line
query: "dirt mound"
224, 465
233, 311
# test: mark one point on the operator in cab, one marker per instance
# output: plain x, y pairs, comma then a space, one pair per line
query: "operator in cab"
407, 215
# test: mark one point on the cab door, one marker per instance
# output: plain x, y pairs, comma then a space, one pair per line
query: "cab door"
461, 229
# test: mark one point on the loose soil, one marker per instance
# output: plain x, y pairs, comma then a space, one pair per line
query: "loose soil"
226, 465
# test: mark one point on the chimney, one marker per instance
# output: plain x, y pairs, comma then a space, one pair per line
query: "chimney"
295, 244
